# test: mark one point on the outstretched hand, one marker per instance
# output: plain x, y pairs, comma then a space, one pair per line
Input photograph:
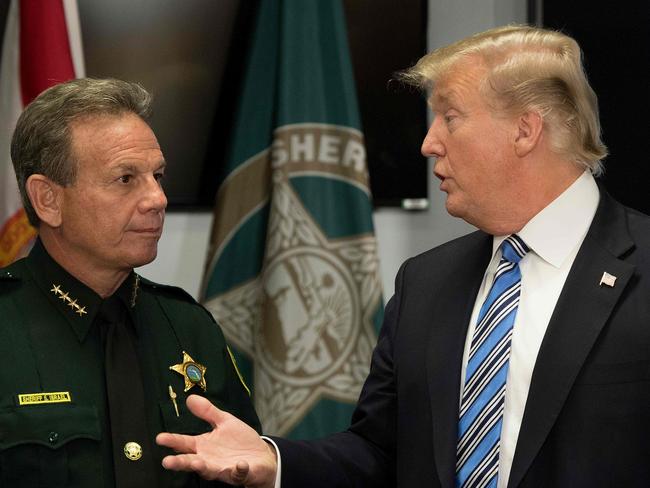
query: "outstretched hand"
232, 452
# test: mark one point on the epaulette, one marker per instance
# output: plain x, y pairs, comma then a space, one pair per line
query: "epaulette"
171, 289
9, 274
8, 277
176, 292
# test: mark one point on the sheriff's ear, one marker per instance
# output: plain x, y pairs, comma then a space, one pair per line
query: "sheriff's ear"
530, 126
45, 196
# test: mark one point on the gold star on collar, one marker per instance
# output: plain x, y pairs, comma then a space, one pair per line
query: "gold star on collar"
134, 290
193, 372
56, 289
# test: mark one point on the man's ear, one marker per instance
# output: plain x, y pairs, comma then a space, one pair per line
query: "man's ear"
46, 197
530, 126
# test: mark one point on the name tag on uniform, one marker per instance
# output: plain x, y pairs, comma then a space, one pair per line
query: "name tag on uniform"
40, 398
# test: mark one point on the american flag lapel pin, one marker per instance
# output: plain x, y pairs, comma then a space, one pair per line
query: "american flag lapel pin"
607, 279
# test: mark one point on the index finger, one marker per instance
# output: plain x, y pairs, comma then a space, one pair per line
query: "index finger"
178, 442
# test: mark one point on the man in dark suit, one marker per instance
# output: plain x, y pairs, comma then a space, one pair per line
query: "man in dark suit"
518, 355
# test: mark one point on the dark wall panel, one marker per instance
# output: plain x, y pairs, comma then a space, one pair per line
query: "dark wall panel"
190, 55
615, 37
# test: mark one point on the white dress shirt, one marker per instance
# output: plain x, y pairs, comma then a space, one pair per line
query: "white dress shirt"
278, 473
554, 237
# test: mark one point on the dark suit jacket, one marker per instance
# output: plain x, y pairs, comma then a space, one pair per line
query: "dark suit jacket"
587, 418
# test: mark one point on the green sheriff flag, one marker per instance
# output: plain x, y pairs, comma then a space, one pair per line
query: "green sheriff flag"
292, 273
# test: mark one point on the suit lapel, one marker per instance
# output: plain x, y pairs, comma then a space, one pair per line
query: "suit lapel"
445, 349
582, 310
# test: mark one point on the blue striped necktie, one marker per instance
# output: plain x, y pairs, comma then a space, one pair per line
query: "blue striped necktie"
481, 407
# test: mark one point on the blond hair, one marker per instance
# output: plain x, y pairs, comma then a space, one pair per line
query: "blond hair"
530, 69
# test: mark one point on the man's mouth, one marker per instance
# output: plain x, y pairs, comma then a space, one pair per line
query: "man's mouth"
148, 230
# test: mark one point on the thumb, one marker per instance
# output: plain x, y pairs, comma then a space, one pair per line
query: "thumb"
204, 409
239, 475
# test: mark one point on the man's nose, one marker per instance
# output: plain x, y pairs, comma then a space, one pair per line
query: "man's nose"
432, 146
154, 197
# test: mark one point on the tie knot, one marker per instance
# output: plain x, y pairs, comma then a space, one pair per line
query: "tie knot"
111, 310
513, 249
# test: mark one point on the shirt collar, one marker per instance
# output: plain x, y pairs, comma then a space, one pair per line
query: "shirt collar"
562, 225
77, 303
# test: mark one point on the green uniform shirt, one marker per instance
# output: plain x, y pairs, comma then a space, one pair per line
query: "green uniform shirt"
54, 427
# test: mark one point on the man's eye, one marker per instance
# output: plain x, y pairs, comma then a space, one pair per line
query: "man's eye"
125, 178
159, 176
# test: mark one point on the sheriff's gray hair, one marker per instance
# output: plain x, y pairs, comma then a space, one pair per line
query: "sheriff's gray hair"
41, 142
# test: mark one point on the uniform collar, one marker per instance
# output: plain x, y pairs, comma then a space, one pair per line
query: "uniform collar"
562, 225
76, 302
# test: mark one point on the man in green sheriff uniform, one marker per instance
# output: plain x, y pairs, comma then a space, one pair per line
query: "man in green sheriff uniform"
95, 361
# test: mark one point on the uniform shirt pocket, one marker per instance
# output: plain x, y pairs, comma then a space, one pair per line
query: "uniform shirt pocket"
36, 441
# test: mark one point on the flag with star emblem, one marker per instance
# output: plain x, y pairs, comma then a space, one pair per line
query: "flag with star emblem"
292, 274
41, 47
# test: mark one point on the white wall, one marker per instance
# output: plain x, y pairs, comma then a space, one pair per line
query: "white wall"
181, 251
400, 233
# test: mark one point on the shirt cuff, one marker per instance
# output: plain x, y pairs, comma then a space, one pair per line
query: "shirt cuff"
278, 474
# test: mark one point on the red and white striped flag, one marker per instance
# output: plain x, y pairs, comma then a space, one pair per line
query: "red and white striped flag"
41, 47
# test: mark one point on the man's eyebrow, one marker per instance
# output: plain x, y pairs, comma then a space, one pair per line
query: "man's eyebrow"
134, 168
443, 97
124, 167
